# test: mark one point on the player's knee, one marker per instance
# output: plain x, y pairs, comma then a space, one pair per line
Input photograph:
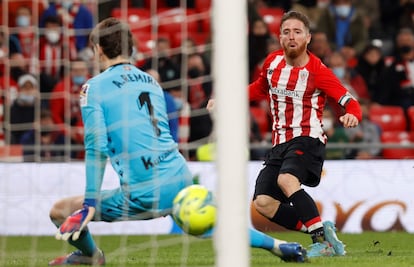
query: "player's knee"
266, 205
57, 213
65, 207
54, 213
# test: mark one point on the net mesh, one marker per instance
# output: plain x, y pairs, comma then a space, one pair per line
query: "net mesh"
172, 42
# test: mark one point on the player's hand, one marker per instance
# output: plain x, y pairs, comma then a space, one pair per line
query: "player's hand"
75, 223
210, 105
349, 120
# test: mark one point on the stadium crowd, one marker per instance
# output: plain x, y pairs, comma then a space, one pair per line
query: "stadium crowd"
45, 58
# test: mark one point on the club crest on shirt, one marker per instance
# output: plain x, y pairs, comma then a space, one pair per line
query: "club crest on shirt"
83, 95
303, 76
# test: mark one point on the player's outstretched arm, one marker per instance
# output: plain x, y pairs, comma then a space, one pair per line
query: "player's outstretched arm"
353, 114
75, 223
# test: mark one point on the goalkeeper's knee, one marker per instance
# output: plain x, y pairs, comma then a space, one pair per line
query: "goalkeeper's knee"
56, 217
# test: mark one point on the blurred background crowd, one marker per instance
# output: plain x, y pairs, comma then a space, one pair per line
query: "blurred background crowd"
45, 57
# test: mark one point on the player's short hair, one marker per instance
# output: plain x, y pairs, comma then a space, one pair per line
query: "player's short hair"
295, 15
114, 37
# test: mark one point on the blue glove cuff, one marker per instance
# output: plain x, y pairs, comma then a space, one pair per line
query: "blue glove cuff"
90, 202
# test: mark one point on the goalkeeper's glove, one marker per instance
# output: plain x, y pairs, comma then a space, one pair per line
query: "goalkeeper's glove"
75, 223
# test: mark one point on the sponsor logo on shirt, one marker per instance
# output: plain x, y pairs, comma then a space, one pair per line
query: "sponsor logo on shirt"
83, 95
284, 92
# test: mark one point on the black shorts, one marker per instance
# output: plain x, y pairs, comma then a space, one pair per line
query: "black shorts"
302, 157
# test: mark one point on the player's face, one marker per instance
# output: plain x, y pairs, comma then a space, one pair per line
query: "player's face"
294, 38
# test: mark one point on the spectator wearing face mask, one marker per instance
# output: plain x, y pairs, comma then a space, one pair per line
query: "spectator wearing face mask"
344, 26
24, 108
64, 103
25, 31
349, 78
53, 51
36, 8
77, 20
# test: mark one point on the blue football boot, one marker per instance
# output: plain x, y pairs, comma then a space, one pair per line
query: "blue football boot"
323, 249
292, 252
330, 236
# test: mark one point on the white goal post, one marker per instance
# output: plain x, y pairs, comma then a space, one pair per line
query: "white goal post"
230, 78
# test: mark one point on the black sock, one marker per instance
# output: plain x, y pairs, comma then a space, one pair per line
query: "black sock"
317, 235
308, 213
286, 216
305, 208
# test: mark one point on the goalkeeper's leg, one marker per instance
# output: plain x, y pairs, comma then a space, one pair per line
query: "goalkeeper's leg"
287, 251
85, 243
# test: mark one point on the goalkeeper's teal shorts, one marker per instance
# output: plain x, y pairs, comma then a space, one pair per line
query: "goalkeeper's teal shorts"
147, 200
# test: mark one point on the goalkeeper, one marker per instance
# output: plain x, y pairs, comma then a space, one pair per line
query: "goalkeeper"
125, 119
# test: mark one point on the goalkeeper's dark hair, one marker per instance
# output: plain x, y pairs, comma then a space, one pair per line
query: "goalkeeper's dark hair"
114, 37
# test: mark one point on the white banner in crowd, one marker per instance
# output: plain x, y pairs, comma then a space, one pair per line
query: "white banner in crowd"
374, 195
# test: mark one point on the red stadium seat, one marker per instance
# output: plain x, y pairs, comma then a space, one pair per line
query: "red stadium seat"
410, 114
172, 20
160, 3
139, 19
206, 24
272, 16
389, 118
199, 38
145, 41
261, 117
398, 137
202, 5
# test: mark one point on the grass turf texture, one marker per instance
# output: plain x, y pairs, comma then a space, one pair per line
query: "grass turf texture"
363, 250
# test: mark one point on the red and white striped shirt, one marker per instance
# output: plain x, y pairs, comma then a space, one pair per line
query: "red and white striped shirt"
298, 95
52, 56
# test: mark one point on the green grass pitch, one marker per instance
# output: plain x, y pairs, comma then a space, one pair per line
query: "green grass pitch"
363, 250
